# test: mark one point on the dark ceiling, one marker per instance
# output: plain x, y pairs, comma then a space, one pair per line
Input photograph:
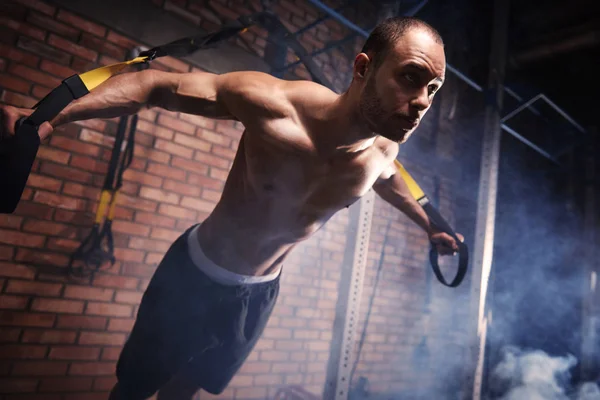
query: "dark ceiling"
554, 47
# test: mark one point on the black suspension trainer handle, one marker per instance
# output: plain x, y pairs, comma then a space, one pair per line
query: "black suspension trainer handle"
17, 155
463, 252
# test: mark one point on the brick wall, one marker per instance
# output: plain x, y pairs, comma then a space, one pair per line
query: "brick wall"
61, 336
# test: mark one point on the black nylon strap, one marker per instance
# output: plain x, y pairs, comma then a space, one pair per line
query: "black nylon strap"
50, 106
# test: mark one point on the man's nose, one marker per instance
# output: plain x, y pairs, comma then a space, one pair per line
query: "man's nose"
422, 100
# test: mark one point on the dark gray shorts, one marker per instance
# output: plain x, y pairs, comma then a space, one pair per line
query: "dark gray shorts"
190, 326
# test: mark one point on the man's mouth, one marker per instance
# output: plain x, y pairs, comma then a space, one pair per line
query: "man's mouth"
410, 122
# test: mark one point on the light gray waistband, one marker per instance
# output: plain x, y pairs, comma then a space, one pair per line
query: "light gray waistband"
217, 273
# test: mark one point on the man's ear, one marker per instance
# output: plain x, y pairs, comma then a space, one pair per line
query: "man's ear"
361, 66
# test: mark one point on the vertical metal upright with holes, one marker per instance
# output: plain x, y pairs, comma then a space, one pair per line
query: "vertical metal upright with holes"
486, 204
590, 309
361, 250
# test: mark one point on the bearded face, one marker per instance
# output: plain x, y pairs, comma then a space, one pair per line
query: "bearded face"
397, 92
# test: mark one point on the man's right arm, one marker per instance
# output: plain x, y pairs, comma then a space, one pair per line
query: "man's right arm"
243, 96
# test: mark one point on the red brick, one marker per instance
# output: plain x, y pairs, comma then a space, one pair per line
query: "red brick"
44, 182
148, 244
72, 48
128, 297
111, 353
23, 28
21, 239
182, 188
34, 288
175, 124
17, 100
172, 148
58, 156
48, 336
88, 293
159, 195
191, 142
52, 25
59, 201
251, 393
15, 270
89, 164
131, 228
38, 5
176, 212
38, 257
50, 228
198, 121
92, 368
15, 385
22, 351
104, 384
129, 255
40, 368
75, 146
17, 56
165, 234
10, 221
66, 173
111, 339
211, 195
6, 252
219, 174
115, 281
197, 204
71, 384
57, 305
106, 309
34, 75
121, 40
163, 133
14, 83
101, 46
81, 219
121, 325
9, 335
78, 190
189, 165
84, 322
81, 23
143, 178
139, 270
153, 219
228, 130
14, 318
74, 353
223, 152
13, 302
135, 203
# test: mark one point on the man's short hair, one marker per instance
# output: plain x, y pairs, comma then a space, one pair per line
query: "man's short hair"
389, 31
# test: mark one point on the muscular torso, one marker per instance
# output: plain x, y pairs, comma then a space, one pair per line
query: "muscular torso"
278, 195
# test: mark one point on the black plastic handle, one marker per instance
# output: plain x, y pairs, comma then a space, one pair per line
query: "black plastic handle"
16, 160
463, 251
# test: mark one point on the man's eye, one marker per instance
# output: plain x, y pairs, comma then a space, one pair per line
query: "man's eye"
410, 77
432, 89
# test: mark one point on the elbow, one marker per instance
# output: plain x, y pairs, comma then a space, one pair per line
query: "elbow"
159, 88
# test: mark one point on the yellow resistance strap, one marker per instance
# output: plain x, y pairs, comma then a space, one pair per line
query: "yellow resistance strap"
95, 77
413, 186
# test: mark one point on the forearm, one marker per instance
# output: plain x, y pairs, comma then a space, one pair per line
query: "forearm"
123, 94
395, 192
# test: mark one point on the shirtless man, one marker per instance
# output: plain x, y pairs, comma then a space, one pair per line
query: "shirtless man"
307, 153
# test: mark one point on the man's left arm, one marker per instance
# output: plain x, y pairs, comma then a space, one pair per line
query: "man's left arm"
394, 190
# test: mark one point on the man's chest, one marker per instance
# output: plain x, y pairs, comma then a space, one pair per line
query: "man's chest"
302, 178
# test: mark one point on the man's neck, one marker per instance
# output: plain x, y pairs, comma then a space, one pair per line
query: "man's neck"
347, 130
